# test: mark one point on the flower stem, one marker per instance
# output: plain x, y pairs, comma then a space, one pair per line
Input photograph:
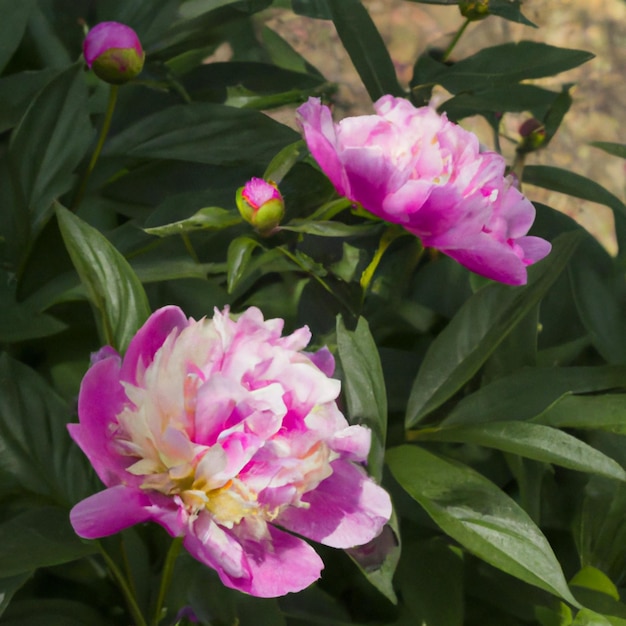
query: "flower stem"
455, 40
166, 578
133, 607
391, 234
189, 247
104, 131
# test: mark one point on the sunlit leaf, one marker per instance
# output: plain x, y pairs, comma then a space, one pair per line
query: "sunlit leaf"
478, 328
533, 441
480, 516
364, 386
208, 218
365, 46
113, 287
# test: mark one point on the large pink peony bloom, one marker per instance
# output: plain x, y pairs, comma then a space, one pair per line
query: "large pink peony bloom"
415, 168
227, 434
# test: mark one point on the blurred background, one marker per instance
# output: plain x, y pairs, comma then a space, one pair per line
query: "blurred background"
598, 26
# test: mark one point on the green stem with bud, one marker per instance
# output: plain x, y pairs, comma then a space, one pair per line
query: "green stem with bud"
104, 131
455, 40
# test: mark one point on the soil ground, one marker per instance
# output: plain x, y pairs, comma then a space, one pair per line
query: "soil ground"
598, 26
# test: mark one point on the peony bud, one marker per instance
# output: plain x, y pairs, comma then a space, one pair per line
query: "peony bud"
533, 134
474, 10
261, 204
114, 52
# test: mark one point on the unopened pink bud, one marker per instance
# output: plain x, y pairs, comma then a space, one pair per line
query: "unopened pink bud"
114, 52
261, 205
533, 134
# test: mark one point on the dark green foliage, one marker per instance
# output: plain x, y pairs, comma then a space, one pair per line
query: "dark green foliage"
497, 413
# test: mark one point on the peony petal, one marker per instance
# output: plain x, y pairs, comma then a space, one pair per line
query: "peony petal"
101, 398
324, 360
149, 339
107, 512
317, 124
345, 510
278, 564
217, 548
491, 258
534, 248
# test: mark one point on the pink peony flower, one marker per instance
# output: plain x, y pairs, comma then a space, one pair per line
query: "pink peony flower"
413, 167
114, 52
227, 434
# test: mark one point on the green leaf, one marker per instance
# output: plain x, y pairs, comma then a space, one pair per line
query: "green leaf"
483, 322
283, 55
209, 218
328, 228
113, 287
602, 412
517, 98
564, 181
39, 537
509, 397
17, 92
364, 387
57, 612
378, 558
203, 133
616, 149
508, 63
600, 526
555, 114
12, 25
586, 617
9, 586
239, 255
430, 578
599, 302
20, 321
319, 9
481, 517
533, 441
366, 48
157, 270
592, 578
50, 142
509, 10
281, 164
38, 457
